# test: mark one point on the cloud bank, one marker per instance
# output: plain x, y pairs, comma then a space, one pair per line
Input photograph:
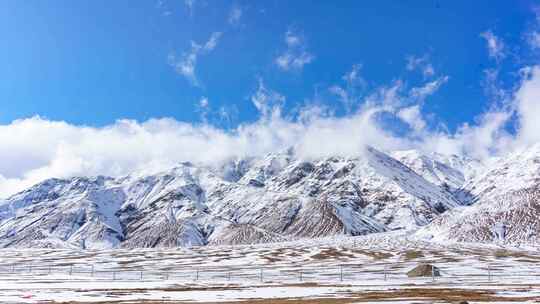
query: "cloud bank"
34, 149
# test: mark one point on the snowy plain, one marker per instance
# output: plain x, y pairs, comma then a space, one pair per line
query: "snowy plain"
368, 269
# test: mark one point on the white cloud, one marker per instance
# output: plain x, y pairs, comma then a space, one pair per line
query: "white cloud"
489, 136
267, 102
532, 34
162, 6
186, 65
226, 115
527, 104
481, 140
62, 150
212, 42
296, 56
422, 64
413, 117
203, 103
421, 93
495, 45
492, 86
534, 39
234, 15
343, 96
34, 149
353, 77
348, 94
203, 107
289, 61
190, 4
292, 39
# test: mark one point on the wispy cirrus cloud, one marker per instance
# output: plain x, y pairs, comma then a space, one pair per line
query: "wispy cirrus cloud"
186, 64
163, 7
534, 39
495, 45
296, 55
235, 14
491, 83
212, 42
349, 92
353, 77
532, 35
268, 102
422, 92
203, 107
422, 64
190, 5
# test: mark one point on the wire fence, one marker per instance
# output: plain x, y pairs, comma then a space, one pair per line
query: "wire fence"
274, 274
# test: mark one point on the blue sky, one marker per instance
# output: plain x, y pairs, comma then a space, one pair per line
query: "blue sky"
111, 87
93, 62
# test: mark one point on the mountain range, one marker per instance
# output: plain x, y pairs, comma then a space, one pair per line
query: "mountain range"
281, 197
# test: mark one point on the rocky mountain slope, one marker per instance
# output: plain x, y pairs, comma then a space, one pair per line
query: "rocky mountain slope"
504, 204
273, 198
282, 197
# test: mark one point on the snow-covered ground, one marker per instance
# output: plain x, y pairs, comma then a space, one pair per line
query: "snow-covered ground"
345, 270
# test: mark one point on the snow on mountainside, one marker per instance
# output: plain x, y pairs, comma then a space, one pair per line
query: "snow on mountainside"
78, 210
450, 171
505, 205
282, 197
520, 170
273, 198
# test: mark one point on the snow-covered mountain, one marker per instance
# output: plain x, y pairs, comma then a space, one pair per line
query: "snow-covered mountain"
277, 197
283, 197
449, 171
504, 205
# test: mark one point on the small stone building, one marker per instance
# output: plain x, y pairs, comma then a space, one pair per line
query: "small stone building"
424, 270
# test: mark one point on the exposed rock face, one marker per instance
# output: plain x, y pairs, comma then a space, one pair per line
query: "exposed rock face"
274, 198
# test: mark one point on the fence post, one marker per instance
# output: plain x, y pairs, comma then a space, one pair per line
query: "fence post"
114, 275
433, 273
141, 275
300, 272
70, 269
384, 271
229, 276
197, 275
341, 273
92, 271
261, 274
489, 273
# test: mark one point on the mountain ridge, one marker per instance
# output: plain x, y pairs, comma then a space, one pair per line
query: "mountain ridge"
277, 197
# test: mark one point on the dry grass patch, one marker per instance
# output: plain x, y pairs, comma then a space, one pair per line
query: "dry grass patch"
505, 253
374, 254
413, 254
331, 253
